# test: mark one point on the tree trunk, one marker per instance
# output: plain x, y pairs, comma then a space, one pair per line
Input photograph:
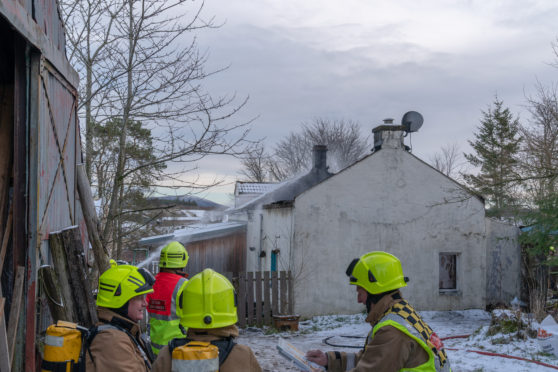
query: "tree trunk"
69, 263
91, 220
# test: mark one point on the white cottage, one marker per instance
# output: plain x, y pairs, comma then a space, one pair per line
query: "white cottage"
392, 201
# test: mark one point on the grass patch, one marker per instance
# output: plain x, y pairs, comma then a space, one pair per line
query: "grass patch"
512, 324
505, 326
543, 354
500, 340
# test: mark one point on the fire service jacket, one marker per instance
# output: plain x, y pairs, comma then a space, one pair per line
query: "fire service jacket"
394, 344
116, 348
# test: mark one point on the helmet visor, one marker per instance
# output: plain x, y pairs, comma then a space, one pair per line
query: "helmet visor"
350, 269
149, 280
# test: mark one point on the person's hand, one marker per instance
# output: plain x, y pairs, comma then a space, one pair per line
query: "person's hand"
317, 356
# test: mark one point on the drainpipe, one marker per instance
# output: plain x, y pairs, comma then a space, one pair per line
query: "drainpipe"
261, 244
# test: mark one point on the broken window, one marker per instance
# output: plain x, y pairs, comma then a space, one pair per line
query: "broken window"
448, 271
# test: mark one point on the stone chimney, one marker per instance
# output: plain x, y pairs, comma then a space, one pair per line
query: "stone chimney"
388, 135
319, 159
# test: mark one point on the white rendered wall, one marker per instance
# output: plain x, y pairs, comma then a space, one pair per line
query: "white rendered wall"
389, 201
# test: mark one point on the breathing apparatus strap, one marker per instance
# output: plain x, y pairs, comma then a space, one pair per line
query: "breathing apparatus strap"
115, 324
225, 346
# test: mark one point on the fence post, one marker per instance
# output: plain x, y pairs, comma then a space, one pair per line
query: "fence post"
259, 320
250, 297
241, 309
274, 293
228, 275
283, 287
290, 282
267, 298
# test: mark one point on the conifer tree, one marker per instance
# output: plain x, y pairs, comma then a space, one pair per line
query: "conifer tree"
496, 147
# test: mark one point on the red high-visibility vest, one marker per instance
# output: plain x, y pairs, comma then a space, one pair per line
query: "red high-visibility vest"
164, 308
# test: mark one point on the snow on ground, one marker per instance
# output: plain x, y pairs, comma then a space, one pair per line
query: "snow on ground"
312, 332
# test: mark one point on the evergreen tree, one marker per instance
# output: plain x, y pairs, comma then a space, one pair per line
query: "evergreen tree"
496, 147
141, 171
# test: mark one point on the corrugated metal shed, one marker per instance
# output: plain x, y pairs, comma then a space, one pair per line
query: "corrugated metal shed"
45, 150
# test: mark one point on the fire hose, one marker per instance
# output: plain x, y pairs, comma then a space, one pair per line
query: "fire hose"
326, 341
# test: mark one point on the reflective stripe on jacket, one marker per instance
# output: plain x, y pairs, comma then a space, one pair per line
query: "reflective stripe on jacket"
404, 318
164, 309
389, 350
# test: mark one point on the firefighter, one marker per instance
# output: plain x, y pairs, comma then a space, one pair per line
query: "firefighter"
115, 344
164, 303
209, 313
399, 339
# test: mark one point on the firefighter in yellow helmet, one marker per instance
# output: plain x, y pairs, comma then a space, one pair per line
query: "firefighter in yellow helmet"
164, 305
116, 344
209, 313
399, 339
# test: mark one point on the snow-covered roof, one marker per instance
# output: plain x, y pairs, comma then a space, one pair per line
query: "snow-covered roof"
196, 232
254, 187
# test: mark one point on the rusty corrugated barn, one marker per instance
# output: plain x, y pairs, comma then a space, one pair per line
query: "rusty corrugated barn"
39, 150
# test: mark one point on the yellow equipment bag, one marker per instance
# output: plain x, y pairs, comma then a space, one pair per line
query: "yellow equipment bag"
195, 356
63, 343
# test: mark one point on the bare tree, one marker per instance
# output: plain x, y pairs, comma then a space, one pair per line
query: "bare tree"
89, 26
448, 160
292, 155
255, 164
539, 161
147, 69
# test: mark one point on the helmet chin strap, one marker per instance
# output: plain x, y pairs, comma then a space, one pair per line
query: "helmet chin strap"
123, 310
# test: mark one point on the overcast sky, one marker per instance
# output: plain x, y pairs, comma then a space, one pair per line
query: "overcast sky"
367, 60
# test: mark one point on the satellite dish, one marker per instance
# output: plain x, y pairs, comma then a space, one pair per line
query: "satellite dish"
412, 121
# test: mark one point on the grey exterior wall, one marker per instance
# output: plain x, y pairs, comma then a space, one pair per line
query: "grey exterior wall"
503, 262
269, 229
394, 202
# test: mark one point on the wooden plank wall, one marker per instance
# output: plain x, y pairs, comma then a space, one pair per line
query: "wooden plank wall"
223, 254
262, 295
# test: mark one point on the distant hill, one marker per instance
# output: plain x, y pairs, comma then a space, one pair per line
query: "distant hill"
187, 200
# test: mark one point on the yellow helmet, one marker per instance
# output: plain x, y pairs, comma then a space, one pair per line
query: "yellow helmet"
120, 283
208, 301
377, 272
173, 256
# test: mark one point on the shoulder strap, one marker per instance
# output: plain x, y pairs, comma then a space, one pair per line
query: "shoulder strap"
177, 342
225, 347
114, 325
407, 314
